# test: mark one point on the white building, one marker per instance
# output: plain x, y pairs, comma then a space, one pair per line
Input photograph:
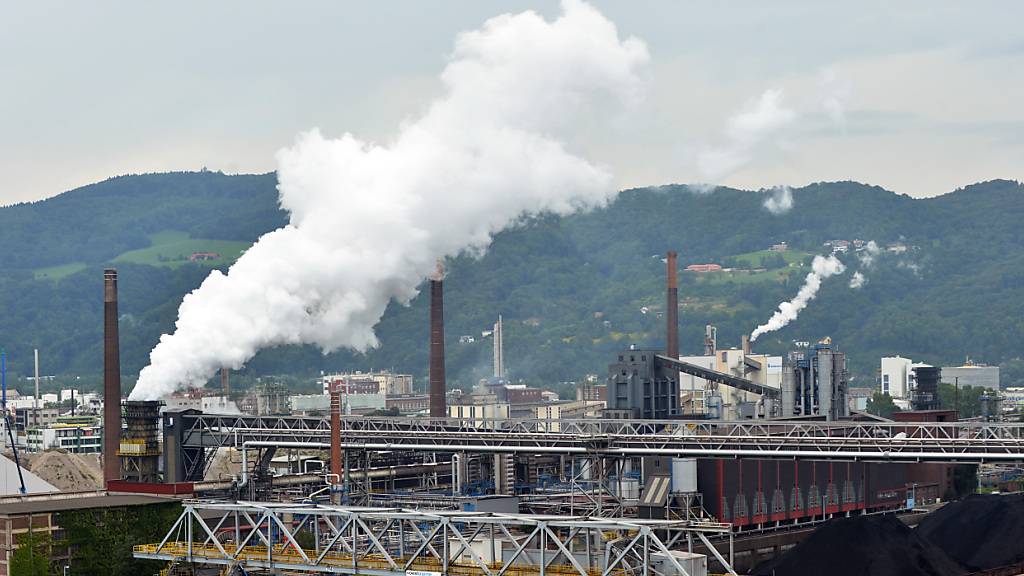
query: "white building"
474, 414
977, 375
1013, 399
76, 434
896, 376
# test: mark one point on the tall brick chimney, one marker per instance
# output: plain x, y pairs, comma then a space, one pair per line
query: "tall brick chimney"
111, 379
437, 377
672, 308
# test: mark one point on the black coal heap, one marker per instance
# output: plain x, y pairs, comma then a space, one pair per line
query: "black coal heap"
981, 532
863, 546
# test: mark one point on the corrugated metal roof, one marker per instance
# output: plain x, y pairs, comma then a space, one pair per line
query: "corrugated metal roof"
40, 505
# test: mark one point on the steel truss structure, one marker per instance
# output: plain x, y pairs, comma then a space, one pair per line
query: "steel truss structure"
393, 541
969, 442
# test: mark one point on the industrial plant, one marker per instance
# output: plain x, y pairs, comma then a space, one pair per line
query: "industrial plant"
669, 465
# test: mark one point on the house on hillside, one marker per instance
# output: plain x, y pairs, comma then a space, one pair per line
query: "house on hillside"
202, 256
704, 268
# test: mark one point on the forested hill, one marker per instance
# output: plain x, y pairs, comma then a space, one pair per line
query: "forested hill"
948, 283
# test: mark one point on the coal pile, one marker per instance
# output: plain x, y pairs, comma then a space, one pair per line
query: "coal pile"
863, 546
980, 532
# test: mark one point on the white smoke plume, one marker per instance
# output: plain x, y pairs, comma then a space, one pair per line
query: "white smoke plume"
369, 221
868, 254
857, 280
746, 131
779, 200
821, 268
835, 93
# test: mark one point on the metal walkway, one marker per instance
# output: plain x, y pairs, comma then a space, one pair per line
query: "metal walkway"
971, 442
315, 538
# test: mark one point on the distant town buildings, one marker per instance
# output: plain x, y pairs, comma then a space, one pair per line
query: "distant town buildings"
384, 383
203, 256
76, 434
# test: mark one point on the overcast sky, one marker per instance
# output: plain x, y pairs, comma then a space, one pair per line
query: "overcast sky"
918, 97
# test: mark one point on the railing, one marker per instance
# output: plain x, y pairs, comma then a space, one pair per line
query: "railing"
395, 541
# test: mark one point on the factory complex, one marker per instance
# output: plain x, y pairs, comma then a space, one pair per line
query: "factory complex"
670, 464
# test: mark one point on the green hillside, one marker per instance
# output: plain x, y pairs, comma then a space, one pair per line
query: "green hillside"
572, 290
173, 248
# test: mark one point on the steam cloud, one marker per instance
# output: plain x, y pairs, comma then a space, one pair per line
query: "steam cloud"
746, 131
821, 268
779, 201
868, 255
857, 280
368, 221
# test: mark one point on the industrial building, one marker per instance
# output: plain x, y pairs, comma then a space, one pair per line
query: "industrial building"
970, 374
384, 383
784, 450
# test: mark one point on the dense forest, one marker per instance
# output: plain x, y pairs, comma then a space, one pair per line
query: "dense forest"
948, 281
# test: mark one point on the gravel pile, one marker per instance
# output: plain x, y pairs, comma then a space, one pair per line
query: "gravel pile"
69, 472
980, 532
863, 546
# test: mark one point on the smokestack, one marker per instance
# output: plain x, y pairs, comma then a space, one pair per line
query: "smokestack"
745, 343
225, 387
672, 308
111, 379
35, 401
437, 378
335, 441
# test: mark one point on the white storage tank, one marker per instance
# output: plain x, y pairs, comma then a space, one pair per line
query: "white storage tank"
684, 475
629, 488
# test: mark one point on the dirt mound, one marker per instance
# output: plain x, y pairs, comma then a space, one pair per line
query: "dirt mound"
69, 472
863, 546
227, 464
980, 532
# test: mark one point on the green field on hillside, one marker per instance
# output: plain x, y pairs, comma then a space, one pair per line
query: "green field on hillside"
58, 272
172, 248
753, 259
745, 276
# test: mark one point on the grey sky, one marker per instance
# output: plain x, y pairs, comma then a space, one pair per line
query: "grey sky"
918, 97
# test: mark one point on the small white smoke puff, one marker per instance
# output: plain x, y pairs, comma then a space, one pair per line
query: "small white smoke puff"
779, 201
368, 222
868, 255
857, 280
821, 268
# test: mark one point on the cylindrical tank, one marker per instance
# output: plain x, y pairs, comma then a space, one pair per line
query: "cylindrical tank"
714, 404
788, 389
825, 384
629, 488
684, 475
